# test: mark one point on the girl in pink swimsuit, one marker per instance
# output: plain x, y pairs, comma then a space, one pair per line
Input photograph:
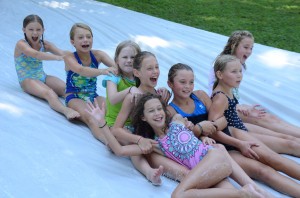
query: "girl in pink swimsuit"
179, 143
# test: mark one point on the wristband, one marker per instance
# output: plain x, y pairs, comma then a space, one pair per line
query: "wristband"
129, 89
201, 129
103, 125
138, 140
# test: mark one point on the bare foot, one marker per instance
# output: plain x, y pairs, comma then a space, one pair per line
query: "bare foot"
71, 114
249, 191
154, 175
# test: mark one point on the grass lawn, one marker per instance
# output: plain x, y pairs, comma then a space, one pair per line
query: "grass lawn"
273, 22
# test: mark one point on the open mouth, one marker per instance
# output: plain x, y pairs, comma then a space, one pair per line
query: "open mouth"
35, 38
154, 80
85, 46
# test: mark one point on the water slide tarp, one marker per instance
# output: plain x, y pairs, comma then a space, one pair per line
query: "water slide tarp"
44, 155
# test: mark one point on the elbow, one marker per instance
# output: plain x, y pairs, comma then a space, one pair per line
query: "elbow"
112, 100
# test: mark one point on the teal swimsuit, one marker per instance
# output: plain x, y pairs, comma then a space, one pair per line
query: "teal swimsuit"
29, 67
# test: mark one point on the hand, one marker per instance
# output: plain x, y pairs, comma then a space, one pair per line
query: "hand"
208, 128
110, 71
136, 94
189, 125
164, 93
145, 145
95, 111
207, 140
257, 111
246, 149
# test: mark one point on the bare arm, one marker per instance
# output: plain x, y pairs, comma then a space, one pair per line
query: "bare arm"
113, 95
50, 47
123, 136
23, 47
99, 115
72, 64
219, 105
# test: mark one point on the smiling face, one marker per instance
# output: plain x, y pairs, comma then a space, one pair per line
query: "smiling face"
244, 49
125, 60
232, 74
148, 72
154, 114
83, 39
34, 31
183, 83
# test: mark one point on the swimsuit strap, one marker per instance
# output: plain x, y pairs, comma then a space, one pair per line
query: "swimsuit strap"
94, 60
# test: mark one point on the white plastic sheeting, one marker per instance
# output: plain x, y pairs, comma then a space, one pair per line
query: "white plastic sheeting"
44, 155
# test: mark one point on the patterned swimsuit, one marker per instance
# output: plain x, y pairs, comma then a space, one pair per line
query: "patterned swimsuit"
29, 67
82, 87
230, 114
181, 145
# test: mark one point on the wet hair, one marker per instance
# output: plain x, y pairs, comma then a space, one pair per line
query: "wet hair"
33, 18
175, 68
220, 65
124, 44
141, 127
137, 63
79, 25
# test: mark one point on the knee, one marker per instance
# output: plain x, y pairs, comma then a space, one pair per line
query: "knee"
292, 145
50, 94
177, 193
264, 173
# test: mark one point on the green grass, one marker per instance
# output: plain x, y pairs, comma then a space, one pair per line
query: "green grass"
273, 22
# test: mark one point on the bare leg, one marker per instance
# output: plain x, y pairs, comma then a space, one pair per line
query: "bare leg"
279, 145
41, 90
254, 129
172, 169
267, 175
58, 86
80, 106
269, 157
153, 175
210, 171
273, 123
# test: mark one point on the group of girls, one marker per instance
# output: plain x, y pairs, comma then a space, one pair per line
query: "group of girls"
135, 119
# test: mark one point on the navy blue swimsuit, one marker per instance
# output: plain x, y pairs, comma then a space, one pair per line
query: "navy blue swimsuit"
231, 114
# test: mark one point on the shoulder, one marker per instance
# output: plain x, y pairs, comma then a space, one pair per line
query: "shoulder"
21, 44
219, 99
48, 45
202, 95
99, 54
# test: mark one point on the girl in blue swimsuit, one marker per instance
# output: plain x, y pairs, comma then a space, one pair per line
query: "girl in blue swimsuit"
82, 71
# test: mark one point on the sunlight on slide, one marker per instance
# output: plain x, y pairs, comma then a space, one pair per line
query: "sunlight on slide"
55, 4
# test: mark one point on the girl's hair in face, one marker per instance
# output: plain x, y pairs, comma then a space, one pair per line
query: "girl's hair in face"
141, 127
122, 45
79, 25
33, 18
220, 65
234, 40
137, 63
175, 68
